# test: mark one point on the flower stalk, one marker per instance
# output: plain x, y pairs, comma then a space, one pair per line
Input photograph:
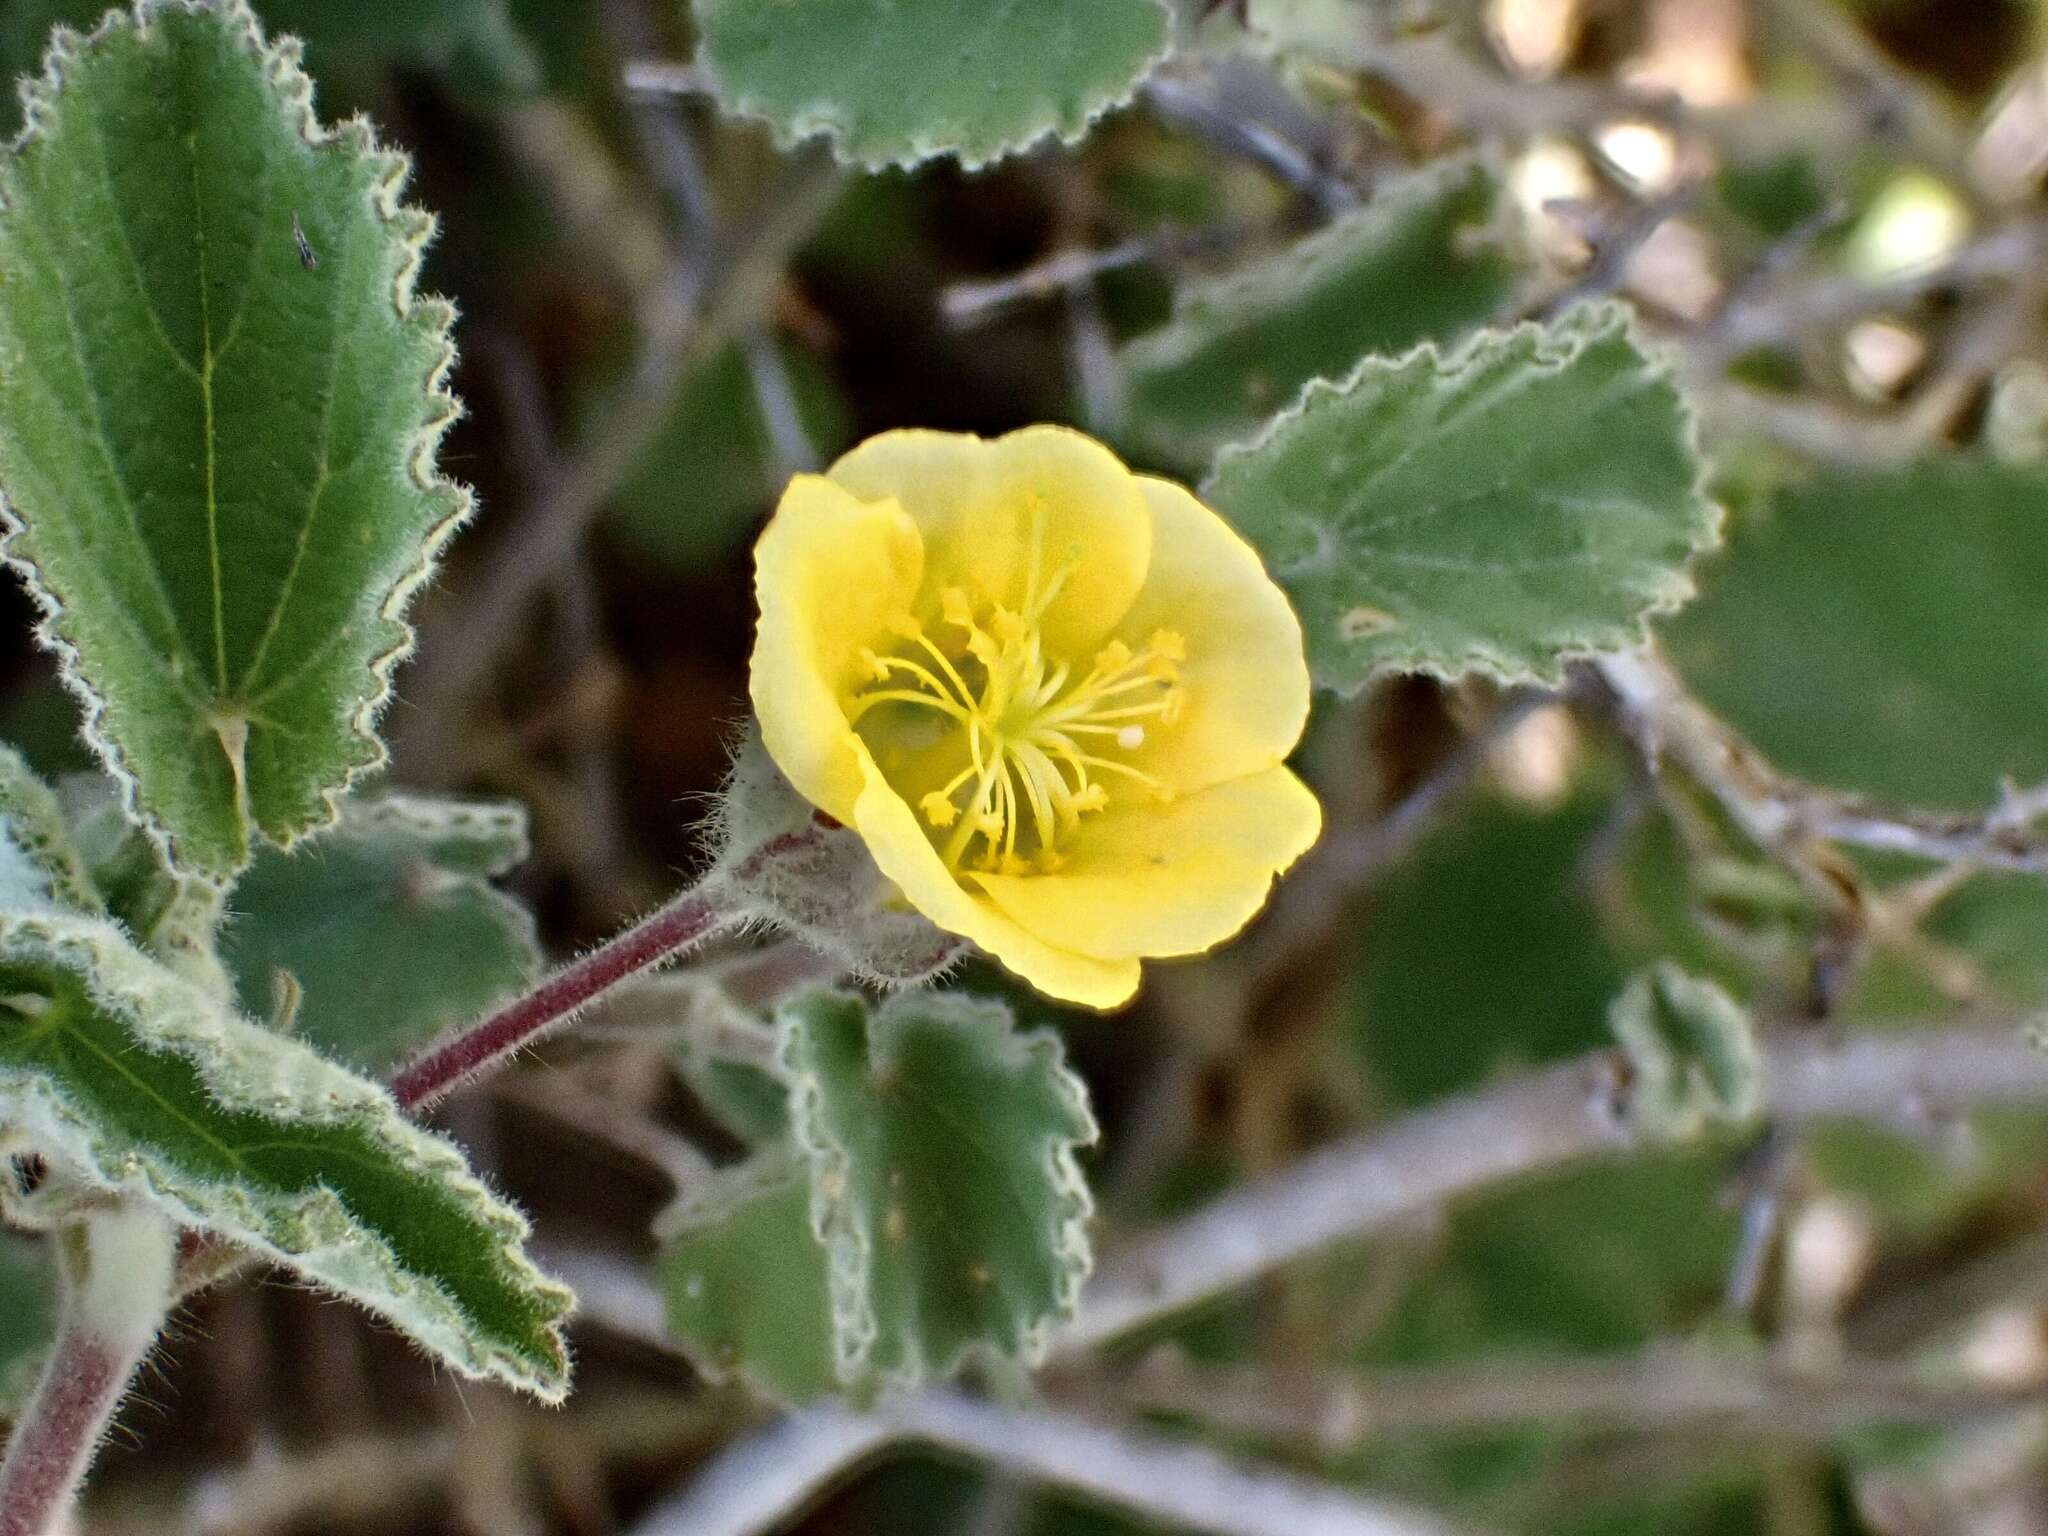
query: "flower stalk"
693, 918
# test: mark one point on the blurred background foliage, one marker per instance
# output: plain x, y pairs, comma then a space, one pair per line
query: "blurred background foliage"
1831, 214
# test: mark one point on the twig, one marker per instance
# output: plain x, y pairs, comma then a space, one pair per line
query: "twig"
969, 304
1669, 1386
761, 1481
1797, 308
1544, 1120
1615, 248
1778, 812
1185, 103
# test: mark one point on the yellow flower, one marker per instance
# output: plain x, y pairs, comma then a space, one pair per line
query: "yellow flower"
1052, 696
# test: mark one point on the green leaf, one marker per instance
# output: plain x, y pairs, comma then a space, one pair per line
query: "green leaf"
896, 82
943, 1179
1422, 261
217, 444
1529, 498
1912, 598
134, 1080
388, 923
743, 1280
28, 1312
39, 864
1692, 1054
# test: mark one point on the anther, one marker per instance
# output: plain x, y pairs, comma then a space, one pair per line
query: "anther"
1131, 737
939, 810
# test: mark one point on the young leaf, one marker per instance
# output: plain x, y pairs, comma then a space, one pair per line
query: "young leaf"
1422, 261
943, 1180
219, 406
1529, 498
132, 1079
388, 923
1691, 1051
743, 1278
896, 82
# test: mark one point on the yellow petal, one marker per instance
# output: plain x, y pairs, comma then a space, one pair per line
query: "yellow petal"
993, 511
830, 572
1246, 687
906, 856
1173, 879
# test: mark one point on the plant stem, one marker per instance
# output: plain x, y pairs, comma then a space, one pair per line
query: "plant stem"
117, 1282
689, 920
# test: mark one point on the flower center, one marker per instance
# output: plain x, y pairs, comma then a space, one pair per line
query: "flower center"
1038, 741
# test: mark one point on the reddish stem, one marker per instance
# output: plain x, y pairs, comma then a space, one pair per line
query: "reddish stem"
57, 1435
688, 920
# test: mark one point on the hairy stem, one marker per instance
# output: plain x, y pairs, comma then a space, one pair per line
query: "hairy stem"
691, 919
117, 1290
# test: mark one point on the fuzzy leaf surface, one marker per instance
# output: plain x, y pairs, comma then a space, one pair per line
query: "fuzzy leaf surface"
1422, 261
1692, 1053
216, 443
944, 1184
896, 82
1528, 498
389, 924
133, 1080
743, 1281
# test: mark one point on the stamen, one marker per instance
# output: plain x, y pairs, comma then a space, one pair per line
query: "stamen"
1027, 782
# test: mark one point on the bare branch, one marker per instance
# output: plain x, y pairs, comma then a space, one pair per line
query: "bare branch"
1670, 1386
761, 1481
1543, 1120
1780, 812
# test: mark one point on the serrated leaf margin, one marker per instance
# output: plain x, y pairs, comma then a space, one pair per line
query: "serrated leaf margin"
711, 1200
1579, 329
820, 123
414, 229
235, 1061
856, 1328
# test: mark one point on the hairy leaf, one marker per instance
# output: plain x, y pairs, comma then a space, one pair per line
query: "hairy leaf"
388, 923
743, 1279
943, 1179
1912, 600
896, 82
1691, 1050
1422, 261
1531, 497
219, 405
134, 1080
